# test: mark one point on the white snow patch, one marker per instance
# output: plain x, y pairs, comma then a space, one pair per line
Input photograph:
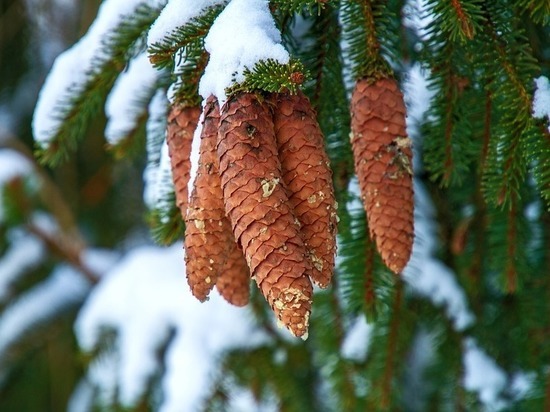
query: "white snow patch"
177, 13
156, 132
144, 299
417, 96
163, 185
124, 104
82, 398
418, 17
73, 67
356, 342
24, 254
426, 275
521, 384
65, 287
241, 400
483, 375
541, 99
242, 35
195, 154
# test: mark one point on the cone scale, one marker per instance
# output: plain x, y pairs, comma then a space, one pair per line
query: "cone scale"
383, 161
261, 215
182, 122
208, 235
308, 177
233, 282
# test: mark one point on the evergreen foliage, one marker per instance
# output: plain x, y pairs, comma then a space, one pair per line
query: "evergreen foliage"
271, 76
484, 163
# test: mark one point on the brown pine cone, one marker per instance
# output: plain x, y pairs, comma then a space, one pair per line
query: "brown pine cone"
182, 122
307, 174
208, 233
383, 162
234, 279
261, 216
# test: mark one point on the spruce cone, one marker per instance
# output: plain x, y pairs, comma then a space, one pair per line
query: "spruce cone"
234, 279
208, 233
307, 174
383, 162
182, 122
261, 216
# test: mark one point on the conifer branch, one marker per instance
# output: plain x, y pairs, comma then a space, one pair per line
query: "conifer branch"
272, 77
167, 226
162, 53
539, 11
188, 77
358, 18
465, 23
297, 6
460, 20
448, 164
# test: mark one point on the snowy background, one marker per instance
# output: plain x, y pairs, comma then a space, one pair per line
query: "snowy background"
141, 291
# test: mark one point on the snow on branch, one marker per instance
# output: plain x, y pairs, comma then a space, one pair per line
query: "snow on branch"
175, 15
81, 74
125, 104
145, 299
242, 35
425, 274
541, 100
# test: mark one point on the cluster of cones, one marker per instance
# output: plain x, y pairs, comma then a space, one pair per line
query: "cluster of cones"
262, 204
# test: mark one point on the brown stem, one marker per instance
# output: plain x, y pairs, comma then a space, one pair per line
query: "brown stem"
373, 45
465, 23
66, 250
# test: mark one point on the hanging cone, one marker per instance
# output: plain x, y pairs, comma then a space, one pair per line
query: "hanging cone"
234, 279
383, 161
208, 233
182, 122
260, 213
307, 174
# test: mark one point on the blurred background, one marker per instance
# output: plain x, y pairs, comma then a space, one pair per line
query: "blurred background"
40, 367
95, 317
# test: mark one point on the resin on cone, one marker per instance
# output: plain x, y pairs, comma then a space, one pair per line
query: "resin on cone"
383, 162
234, 279
261, 216
208, 235
182, 122
308, 177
